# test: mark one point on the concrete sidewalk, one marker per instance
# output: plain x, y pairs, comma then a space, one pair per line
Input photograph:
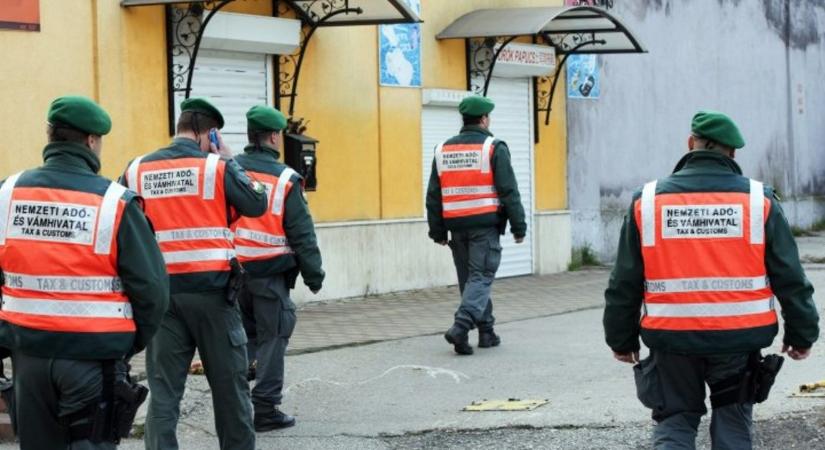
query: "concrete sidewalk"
364, 320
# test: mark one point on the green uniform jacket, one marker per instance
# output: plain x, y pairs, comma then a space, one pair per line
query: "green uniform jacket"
706, 171
139, 263
506, 187
240, 195
298, 226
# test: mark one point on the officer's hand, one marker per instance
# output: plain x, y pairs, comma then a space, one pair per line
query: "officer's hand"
224, 151
797, 354
629, 357
519, 240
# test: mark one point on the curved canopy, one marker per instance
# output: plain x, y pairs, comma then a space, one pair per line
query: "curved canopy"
579, 29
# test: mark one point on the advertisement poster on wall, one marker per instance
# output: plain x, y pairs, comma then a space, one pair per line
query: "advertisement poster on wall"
399, 52
21, 15
583, 79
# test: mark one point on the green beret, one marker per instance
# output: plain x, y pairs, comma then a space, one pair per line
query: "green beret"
717, 127
476, 105
265, 118
81, 113
201, 105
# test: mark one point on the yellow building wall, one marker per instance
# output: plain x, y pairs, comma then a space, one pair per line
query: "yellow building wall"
37, 67
370, 136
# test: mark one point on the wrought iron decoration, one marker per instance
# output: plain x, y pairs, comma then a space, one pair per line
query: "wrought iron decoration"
482, 55
313, 14
184, 31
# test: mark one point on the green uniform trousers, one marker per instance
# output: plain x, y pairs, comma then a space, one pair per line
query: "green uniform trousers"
476, 255
206, 322
674, 387
269, 319
47, 389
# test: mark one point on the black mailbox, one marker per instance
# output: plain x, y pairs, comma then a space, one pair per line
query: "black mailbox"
299, 153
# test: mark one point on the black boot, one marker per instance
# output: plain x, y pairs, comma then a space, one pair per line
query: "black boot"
457, 335
488, 338
273, 420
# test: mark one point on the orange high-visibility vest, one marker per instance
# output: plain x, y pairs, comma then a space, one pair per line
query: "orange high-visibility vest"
185, 199
467, 182
58, 251
263, 237
704, 260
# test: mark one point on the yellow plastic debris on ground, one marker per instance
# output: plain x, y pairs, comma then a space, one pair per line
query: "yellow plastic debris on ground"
512, 404
811, 390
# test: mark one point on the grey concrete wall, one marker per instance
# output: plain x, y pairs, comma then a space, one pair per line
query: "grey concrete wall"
736, 56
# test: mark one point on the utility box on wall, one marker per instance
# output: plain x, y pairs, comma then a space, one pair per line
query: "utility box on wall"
299, 153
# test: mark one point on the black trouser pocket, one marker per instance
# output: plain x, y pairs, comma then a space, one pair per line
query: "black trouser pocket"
493, 258
648, 385
287, 319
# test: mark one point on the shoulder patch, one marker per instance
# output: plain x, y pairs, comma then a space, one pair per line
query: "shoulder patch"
257, 187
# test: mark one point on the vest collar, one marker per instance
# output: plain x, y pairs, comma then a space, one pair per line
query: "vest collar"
706, 160
69, 155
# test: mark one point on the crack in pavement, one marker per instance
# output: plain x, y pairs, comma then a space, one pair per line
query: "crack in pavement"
432, 372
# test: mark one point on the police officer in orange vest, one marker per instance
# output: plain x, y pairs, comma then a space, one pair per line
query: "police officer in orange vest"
273, 248
703, 254
472, 194
84, 283
193, 190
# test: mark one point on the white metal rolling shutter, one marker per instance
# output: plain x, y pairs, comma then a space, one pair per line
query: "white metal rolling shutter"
511, 122
438, 123
233, 82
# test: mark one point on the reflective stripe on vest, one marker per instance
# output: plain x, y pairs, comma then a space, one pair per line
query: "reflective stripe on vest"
279, 196
132, 174
253, 252
194, 234
106, 219
709, 309
67, 284
191, 256
5, 204
706, 284
468, 190
470, 204
704, 256
757, 200
59, 257
467, 181
209, 174
68, 308
260, 238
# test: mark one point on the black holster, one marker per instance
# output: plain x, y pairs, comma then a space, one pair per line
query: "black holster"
237, 282
765, 375
751, 386
109, 418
